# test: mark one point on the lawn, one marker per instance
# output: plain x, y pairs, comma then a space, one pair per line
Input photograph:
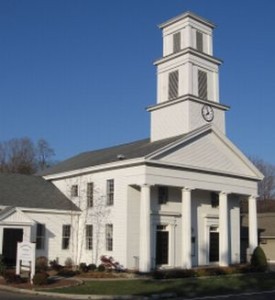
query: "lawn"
188, 287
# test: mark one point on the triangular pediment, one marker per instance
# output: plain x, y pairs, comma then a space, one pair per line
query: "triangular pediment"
207, 149
13, 215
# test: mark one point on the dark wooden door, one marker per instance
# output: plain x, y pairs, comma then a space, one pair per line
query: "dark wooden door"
214, 247
11, 237
162, 247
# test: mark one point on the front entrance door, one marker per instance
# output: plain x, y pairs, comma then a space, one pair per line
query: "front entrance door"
214, 246
11, 237
162, 246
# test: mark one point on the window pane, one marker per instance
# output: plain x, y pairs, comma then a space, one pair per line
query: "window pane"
74, 190
66, 233
89, 237
40, 236
109, 237
110, 192
90, 194
163, 194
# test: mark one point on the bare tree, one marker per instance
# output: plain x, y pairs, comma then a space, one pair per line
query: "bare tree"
23, 156
267, 185
44, 154
95, 212
3, 158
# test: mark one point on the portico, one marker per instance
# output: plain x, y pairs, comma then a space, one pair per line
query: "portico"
182, 227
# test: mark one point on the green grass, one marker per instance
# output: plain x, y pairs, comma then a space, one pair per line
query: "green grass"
188, 287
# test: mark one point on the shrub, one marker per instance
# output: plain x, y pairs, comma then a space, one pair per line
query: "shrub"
41, 263
83, 267
201, 272
68, 262
101, 268
40, 278
67, 272
91, 267
55, 265
11, 277
258, 260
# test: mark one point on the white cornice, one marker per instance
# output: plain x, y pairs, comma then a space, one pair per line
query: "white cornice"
189, 50
187, 14
187, 98
52, 211
40, 210
99, 168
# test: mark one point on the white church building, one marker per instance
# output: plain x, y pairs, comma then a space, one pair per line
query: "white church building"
172, 200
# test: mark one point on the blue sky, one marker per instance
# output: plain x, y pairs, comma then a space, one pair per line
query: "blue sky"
80, 73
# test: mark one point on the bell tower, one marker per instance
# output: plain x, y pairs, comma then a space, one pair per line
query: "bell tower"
187, 79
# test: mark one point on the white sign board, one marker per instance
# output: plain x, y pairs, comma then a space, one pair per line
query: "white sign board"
25, 258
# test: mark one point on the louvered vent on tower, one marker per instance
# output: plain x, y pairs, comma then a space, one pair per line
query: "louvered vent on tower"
173, 85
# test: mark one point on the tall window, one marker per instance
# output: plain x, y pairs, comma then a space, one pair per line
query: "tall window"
89, 237
202, 84
109, 237
214, 200
173, 85
66, 234
176, 42
40, 236
74, 190
110, 192
199, 41
163, 194
90, 194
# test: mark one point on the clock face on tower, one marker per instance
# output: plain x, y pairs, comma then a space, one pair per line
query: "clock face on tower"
207, 113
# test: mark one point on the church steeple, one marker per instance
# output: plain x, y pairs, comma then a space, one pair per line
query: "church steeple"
187, 79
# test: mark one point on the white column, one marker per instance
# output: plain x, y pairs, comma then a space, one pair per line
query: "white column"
252, 223
186, 229
223, 229
145, 230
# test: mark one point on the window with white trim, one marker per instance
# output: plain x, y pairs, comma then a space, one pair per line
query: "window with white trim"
90, 194
162, 194
40, 236
66, 235
89, 237
109, 237
110, 191
74, 190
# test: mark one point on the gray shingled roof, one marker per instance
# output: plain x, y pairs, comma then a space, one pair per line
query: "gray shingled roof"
32, 192
132, 150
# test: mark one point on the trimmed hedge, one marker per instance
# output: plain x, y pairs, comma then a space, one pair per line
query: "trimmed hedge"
200, 272
258, 260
